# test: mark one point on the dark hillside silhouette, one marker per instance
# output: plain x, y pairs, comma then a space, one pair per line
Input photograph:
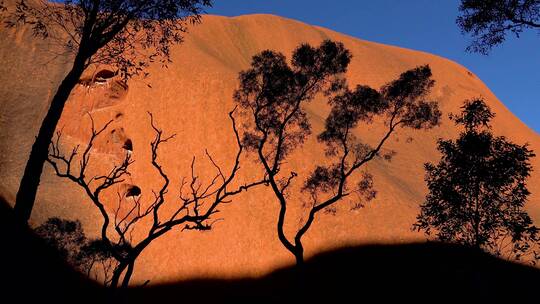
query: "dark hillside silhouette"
429, 272
33, 271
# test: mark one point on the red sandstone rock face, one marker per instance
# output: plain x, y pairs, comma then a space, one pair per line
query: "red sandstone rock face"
192, 98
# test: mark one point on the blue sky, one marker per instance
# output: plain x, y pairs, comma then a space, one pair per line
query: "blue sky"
511, 71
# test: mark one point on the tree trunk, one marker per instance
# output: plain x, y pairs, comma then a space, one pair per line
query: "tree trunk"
116, 294
299, 256
300, 276
127, 276
40, 149
117, 274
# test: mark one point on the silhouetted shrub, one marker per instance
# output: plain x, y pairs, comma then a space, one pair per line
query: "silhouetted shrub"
478, 190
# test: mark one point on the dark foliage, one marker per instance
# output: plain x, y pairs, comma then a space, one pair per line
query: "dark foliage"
478, 190
91, 257
273, 95
489, 21
65, 236
274, 92
126, 35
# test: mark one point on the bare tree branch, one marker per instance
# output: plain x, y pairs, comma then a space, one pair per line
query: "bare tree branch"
194, 210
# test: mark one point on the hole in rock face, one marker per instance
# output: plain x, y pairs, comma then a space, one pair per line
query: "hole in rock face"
133, 191
116, 143
118, 136
128, 145
118, 115
103, 76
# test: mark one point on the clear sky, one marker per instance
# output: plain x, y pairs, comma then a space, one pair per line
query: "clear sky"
511, 71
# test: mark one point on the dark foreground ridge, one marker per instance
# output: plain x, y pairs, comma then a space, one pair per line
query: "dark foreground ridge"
33, 273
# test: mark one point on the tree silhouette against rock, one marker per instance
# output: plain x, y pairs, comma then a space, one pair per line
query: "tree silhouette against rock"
489, 21
198, 202
91, 257
477, 191
273, 95
66, 236
125, 34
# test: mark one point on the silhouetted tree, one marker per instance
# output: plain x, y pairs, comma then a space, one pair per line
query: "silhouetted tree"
69, 240
273, 94
478, 189
489, 21
67, 237
194, 209
125, 34
97, 260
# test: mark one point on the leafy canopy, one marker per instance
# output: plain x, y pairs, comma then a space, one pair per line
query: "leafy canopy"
126, 34
273, 95
489, 21
477, 191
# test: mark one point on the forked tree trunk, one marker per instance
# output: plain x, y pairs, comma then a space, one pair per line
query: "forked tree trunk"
117, 274
40, 149
124, 268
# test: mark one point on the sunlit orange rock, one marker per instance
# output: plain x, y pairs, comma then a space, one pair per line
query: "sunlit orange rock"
192, 98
